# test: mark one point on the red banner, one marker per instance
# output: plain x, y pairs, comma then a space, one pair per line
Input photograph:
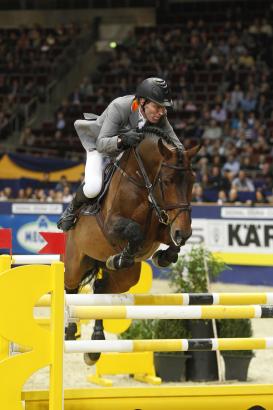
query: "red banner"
6, 239
55, 243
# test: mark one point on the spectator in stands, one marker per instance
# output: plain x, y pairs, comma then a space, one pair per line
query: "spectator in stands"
242, 182
45, 183
260, 198
51, 196
115, 131
222, 197
233, 197
27, 137
86, 87
60, 122
6, 194
67, 196
219, 114
266, 176
212, 131
216, 180
232, 165
237, 95
197, 193
62, 184
248, 103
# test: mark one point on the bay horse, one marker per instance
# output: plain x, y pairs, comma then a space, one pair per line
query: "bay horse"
147, 204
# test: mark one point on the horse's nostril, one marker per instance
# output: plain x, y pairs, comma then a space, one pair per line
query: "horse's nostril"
178, 236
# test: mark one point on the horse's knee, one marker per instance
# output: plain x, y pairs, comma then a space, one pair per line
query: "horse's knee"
133, 232
129, 230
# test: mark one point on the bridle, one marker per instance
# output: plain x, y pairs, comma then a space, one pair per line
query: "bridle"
161, 212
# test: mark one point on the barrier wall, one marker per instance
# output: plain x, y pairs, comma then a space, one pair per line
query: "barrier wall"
243, 236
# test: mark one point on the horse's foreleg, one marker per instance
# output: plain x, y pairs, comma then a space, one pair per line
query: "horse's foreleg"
164, 258
130, 231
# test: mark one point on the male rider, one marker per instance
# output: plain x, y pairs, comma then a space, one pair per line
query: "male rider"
114, 131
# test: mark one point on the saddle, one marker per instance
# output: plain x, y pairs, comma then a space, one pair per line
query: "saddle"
94, 206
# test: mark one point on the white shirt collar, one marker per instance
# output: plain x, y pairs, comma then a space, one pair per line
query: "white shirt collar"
141, 120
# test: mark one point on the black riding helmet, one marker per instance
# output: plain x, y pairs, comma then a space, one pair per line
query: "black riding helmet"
156, 90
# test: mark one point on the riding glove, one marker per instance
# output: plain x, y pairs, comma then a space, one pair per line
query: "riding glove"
130, 139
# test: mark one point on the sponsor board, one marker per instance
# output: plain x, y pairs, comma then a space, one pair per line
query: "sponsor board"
30, 208
236, 236
28, 236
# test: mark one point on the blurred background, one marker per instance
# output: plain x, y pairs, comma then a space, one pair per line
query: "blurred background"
60, 59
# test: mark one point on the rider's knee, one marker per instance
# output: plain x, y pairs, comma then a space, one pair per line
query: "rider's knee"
92, 189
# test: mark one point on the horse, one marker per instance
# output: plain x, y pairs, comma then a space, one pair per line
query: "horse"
147, 204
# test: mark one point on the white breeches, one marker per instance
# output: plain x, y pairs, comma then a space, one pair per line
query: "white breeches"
93, 174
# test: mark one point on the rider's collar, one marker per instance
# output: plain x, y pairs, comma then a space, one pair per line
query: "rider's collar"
142, 119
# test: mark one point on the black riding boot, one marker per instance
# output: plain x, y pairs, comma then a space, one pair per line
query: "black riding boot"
68, 217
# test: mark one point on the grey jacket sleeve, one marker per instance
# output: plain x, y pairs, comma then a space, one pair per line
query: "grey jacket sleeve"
111, 128
166, 126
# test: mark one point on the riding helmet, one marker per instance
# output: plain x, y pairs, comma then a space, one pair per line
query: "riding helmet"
156, 90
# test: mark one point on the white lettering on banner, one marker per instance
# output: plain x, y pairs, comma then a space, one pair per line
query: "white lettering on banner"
235, 235
37, 208
237, 212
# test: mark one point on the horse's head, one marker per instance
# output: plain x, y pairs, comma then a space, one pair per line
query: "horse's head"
172, 181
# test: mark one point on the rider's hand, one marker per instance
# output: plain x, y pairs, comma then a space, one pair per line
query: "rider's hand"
130, 139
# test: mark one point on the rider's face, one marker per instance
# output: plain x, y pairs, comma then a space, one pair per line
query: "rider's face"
153, 112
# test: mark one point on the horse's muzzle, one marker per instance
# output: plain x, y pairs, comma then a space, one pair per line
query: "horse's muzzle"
178, 238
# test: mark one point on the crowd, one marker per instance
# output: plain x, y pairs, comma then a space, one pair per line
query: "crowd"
29, 58
44, 191
221, 78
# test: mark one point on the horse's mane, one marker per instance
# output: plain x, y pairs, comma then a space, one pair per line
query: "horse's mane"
150, 130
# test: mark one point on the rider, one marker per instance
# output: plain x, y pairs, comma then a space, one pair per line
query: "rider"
115, 130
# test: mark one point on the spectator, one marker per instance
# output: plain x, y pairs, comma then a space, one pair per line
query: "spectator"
60, 122
219, 114
62, 184
233, 197
197, 193
243, 183
222, 197
232, 165
67, 196
212, 131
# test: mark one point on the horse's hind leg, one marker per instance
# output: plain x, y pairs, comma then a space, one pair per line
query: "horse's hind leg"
77, 266
130, 231
111, 282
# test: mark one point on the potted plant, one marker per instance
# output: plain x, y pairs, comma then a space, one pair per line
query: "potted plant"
190, 275
169, 366
236, 361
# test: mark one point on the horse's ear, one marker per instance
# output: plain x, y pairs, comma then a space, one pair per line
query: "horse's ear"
164, 150
193, 151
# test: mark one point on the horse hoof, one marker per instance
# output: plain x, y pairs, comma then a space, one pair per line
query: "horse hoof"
71, 331
91, 358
